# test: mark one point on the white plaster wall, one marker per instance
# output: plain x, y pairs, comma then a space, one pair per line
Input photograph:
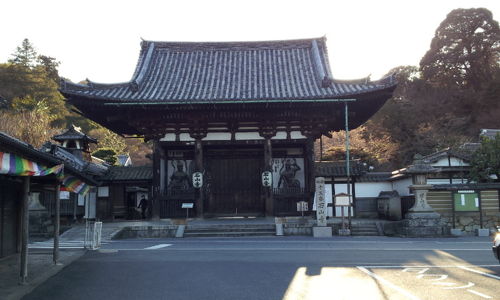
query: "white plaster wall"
371, 189
454, 161
217, 136
438, 181
185, 137
296, 135
239, 136
280, 135
169, 137
402, 186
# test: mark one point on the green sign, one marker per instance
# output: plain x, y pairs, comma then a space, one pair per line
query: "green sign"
466, 201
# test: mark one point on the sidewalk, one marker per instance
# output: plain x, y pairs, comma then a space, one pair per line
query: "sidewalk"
40, 264
40, 268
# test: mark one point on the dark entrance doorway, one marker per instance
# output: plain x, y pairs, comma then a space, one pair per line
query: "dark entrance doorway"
234, 187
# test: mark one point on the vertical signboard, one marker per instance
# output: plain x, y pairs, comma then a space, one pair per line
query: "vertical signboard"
320, 202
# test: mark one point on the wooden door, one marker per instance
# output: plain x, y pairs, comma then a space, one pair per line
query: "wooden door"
234, 187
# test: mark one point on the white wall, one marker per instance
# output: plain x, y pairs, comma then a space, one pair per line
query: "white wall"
454, 162
401, 186
371, 189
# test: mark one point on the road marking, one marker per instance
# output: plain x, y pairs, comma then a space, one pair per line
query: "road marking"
157, 246
217, 248
420, 270
468, 285
479, 272
439, 276
479, 294
424, 266
390, 284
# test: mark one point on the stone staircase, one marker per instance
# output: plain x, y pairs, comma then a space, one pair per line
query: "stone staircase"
229, 230
364, 229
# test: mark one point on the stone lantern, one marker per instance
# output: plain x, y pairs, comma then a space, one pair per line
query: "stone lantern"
419, 171
421, 220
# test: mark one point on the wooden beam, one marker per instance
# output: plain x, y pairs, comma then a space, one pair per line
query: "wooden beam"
57, 221
25, 230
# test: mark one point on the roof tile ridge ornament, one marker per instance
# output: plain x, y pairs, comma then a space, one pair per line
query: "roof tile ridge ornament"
326, 80
135, 83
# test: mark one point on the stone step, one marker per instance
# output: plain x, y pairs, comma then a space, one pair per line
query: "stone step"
364, 233
228, 234
365, 229
230, 229
232, 226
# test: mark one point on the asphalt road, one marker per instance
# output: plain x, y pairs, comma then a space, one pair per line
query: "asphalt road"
281, 268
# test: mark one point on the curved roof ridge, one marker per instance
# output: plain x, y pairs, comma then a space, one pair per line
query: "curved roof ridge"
66, 84
232, 44
174, 72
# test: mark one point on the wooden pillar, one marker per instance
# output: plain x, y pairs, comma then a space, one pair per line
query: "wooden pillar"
268, 191
155, 204
57, 221
25, 230
198, 157
309, 159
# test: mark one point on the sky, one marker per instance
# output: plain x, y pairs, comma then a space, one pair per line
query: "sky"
100, 39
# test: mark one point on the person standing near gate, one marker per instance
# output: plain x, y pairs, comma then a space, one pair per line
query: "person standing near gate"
143, 205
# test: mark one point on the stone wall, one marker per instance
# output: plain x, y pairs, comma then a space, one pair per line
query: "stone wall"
468, 222
159, 231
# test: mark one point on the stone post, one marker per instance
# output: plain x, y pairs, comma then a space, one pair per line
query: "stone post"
321, 230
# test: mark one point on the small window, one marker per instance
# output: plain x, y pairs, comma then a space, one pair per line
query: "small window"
466, 201
71, 145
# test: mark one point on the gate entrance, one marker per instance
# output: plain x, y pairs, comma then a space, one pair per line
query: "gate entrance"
233, 187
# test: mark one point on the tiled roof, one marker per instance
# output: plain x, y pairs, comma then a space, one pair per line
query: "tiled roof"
178, 72
374, 177
461, 153
42, 156
73, 134
119, 173
337, 168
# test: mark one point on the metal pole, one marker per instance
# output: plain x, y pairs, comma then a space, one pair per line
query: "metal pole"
321, 148
25, 230
348, 171
57, 218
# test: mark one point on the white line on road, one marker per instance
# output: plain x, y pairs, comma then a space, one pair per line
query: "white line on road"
425, 266
390, 284
158, 246
479, 294
479, 272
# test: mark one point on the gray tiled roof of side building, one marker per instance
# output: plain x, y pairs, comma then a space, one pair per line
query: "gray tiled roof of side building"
120, 173
224, 71
337, 168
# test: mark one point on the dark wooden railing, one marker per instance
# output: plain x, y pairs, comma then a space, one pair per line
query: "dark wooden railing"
285, 201
171, 203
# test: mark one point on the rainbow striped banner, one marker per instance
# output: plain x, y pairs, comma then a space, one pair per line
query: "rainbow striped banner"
12, 164
73, 184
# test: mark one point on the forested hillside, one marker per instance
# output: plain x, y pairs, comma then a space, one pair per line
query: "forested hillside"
443, 102
33, 110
